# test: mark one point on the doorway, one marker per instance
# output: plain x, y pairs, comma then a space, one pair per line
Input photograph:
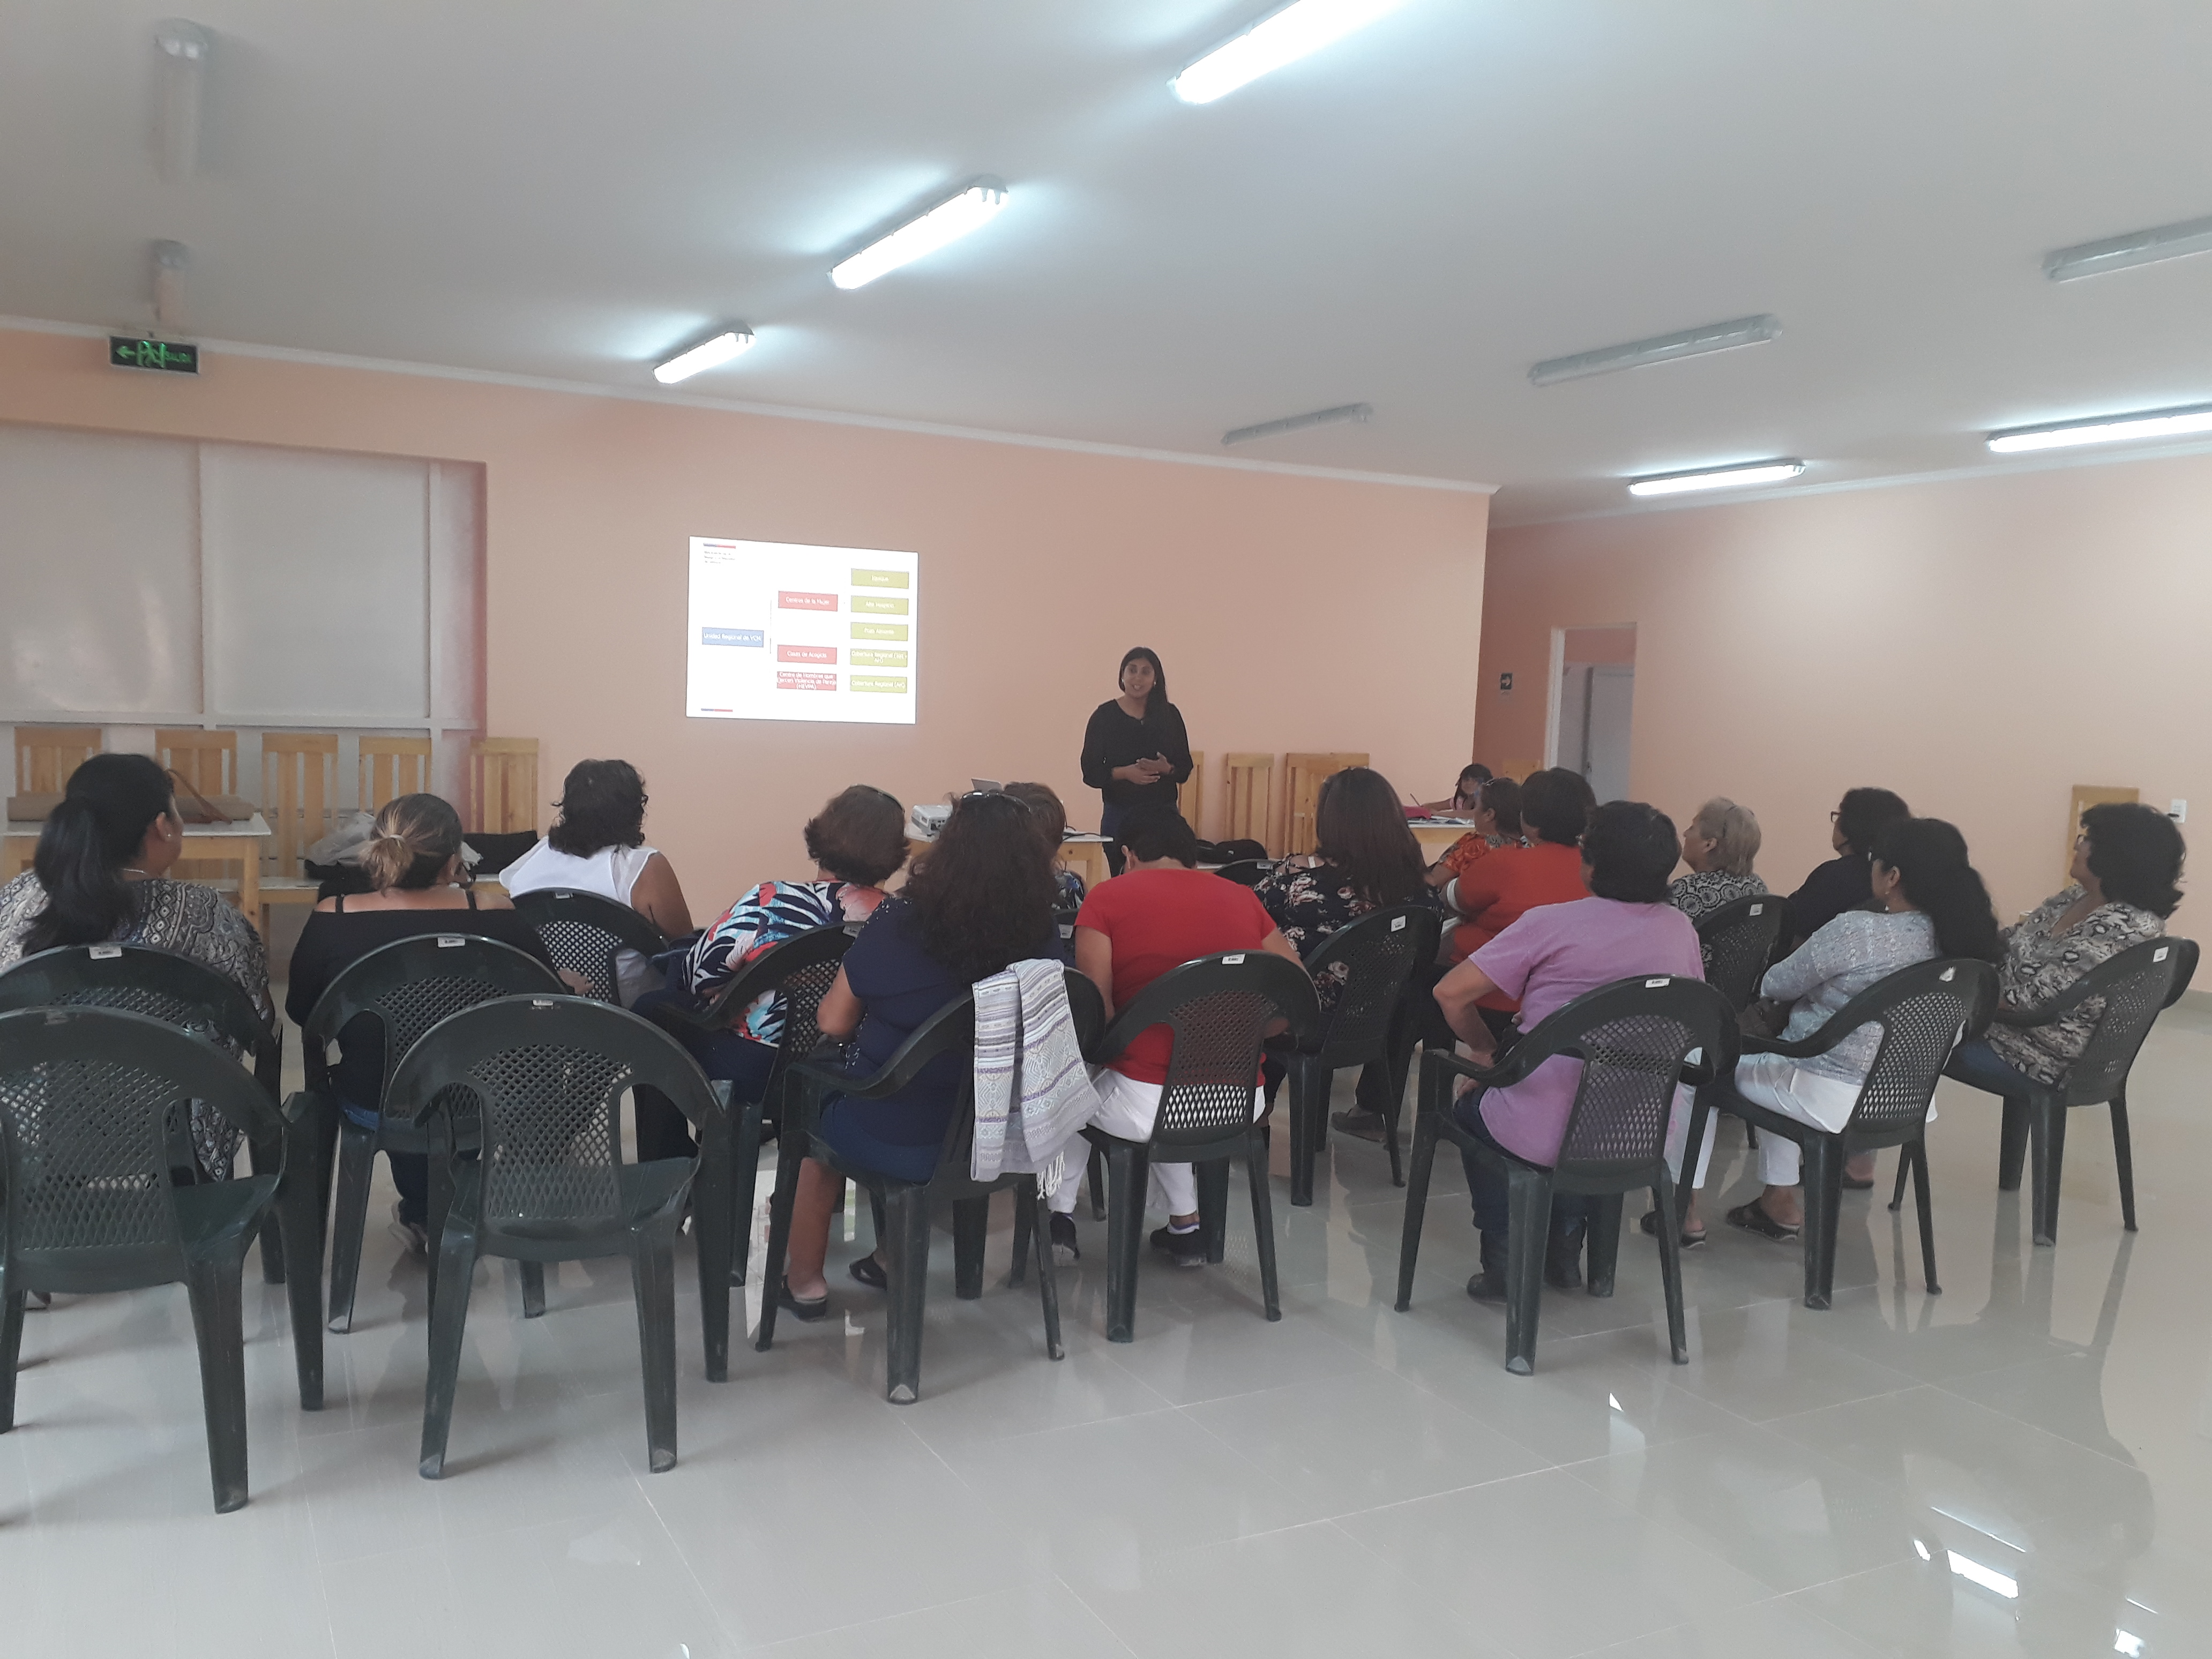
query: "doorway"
1593, 696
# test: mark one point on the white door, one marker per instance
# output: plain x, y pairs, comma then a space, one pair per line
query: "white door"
1609, 703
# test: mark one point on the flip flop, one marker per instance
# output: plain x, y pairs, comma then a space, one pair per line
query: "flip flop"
1650, 1225
1754, 1219
869, 1272
1854, 1184
804, 1312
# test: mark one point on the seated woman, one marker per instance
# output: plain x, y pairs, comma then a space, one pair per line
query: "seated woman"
1719, 846
1367, 860
1840, 884
1051, 820
980, 899
2127, 860
1496, 815
1929, 903
414, 857
1543, 960
597, 846
1466, 795
1514, 880
100, 875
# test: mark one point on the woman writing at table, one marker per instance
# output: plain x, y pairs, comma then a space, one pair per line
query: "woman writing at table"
1135, 750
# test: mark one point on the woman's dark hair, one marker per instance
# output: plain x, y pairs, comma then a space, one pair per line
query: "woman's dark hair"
1930, 857
414, 838
1157, 698
1863, 814
1159, 832
859, 836
2135, 853
1046, 811
1631, 849
602, 804
1556, 804
984, 891
109, 803
1473, 772
1501, 798
1360, 830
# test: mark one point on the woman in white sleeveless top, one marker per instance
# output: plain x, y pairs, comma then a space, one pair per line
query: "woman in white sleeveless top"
597, 846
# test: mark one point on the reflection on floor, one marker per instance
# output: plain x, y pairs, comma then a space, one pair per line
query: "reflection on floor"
2018, 1465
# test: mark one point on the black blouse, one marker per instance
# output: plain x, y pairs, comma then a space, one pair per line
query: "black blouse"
1114, 738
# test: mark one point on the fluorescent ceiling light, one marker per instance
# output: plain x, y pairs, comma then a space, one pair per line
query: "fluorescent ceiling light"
2137, 247
1661, 349
1720, 477
1281, 37
707, 354
2110, 429
970, 208
1360, 413
184, 46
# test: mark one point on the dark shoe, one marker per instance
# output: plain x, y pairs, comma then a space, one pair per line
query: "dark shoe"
1489, 1284
1856, 1184
1650, 1225
1563, 1260
1065, 1252
1184, 1249
869, 1272
805, 1312
1364, 1125
413, 1234
1754, 1219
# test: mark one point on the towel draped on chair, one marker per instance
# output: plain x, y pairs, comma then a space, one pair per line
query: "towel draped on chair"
1033, 1092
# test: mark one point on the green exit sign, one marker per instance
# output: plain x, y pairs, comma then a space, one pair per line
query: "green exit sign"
125, 353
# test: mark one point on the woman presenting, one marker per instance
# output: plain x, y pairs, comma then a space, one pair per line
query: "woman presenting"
1135, 750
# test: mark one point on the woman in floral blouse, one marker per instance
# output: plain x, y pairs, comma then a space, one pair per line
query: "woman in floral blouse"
2127, 860
1366, 860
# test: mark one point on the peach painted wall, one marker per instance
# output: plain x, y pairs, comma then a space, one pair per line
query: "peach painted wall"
1979, 645
1292, 612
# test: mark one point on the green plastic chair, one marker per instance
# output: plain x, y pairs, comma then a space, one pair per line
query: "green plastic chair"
86, 1099
543, 1079
586, 934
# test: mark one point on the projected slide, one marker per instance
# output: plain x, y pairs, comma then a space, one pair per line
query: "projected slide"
781, 632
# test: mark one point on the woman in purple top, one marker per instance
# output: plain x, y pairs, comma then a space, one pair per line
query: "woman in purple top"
1547, 959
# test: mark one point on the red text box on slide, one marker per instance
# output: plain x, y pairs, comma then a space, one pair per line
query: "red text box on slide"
795, 679
790, 601
806, 654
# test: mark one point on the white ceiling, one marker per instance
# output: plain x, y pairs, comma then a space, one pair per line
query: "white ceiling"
1408, 219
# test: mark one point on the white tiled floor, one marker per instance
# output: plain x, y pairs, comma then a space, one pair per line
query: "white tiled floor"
2019, 1466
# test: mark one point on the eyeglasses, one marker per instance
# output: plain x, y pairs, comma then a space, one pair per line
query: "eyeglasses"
1836, 817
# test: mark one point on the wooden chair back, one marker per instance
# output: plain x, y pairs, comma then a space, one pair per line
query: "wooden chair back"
502, 785
1303, 775
46, 755
391, 767
1190, 795
206, 760
299, 794
1248, 784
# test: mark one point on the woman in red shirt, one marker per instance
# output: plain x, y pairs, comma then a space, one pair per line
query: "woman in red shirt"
1497, 890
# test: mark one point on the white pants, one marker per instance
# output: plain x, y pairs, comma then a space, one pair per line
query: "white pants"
1775, 1082
1128, 1109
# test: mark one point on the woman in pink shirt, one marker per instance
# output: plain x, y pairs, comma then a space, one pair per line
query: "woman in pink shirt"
1547, 959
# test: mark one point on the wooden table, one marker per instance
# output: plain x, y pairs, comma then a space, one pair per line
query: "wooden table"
1084, 854
240, 843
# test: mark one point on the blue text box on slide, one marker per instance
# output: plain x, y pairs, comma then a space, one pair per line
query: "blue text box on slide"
752, 636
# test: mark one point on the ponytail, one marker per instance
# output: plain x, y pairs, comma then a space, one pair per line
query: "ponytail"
1930, 857
110, 802
415, 836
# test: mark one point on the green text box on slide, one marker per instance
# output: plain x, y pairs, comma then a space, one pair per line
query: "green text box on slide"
894, 684
861, 659
881, 604
879, 630
880, 578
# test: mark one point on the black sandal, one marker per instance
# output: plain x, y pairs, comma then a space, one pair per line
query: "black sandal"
1754, 1219
869, 1272
1650, 1224
806, 1312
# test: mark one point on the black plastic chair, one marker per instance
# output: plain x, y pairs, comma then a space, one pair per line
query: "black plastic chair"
586, 934
1246, 872
1381, 955
904, 1227
87, 1097
800, 970
1924, 1012
1632, 1038
403, 988
194, 998
1738, 940
539, 1080
2135, 985
1218, 1009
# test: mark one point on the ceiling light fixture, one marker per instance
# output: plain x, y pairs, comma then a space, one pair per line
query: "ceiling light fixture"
1282, 37
2137, 247
184, 48
170, 259
1358, 413
1716, 478
1661, 349
2110, 429
971, 207
707, 354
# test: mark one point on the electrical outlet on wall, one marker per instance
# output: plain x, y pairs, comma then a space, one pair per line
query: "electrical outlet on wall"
2179, 811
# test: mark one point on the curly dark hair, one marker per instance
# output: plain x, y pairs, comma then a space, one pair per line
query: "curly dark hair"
1359, 831
1630, 847
1556, 804
1046, 811
602, 804
1158, 831
2136, 855
859, 836
983, 893
1863, 813
1929, 856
